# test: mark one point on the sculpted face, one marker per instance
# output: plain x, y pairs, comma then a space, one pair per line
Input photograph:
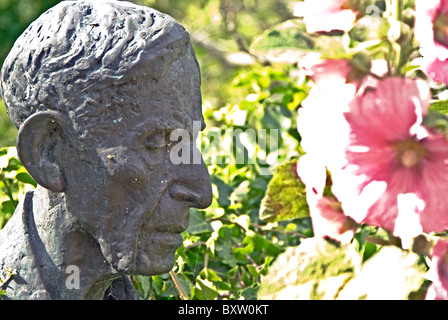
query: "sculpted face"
125, 190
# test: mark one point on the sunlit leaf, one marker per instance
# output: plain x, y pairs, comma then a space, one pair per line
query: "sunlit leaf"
289, 42
9, 206
198, 223
205, 290
26, 178
321, 269
285, 196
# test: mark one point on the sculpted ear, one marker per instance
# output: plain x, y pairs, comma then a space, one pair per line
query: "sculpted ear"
39, 143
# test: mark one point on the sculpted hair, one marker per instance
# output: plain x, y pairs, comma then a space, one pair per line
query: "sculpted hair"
80, 57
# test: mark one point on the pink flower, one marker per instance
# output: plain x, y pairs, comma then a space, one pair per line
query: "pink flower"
321, 122
431, 30
326, 15
326, 213
357, 71
324, 131
439, 260
396, 171
320, 70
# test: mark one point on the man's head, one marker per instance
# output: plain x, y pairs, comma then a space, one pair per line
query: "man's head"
96, 88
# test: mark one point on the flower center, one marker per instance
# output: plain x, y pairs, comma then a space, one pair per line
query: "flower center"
410, 152
441, 29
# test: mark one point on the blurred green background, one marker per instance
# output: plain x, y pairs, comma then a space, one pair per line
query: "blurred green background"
254, 218
229, 246
221, 31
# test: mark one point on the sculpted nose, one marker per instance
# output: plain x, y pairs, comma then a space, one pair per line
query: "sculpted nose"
192, 184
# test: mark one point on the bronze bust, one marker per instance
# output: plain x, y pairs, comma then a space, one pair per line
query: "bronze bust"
96, 89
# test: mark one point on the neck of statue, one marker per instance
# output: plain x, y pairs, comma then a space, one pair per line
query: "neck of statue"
72, 265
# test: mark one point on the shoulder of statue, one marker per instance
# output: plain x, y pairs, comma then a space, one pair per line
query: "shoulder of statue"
16, 258
13, 235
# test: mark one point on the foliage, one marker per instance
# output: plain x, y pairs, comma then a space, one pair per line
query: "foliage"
4, 280
8, 131
251, 145
227, 247
285, 195
221, 31
15, 16
14, 181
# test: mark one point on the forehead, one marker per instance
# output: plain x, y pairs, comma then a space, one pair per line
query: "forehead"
173, 100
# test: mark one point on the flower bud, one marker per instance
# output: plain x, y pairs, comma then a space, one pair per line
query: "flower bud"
361, 63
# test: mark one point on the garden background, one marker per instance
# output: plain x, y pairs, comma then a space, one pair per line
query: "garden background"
256, 240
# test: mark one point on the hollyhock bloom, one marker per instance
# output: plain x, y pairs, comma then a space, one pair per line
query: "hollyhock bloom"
396, 171
321, 122
439, 261
431, 30
356, 71
327, 15
320, 70
324, 131
326, 213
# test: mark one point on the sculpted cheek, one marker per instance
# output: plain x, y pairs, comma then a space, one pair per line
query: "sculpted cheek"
124, 166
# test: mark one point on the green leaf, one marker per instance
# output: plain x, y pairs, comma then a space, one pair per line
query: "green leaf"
210, 275
369, 250
9, 206
221, 285
185, 284
205, 290
157, 284
252, 270
271, 119
13, 164
143, 286
285, 196
169, 290
224, 191
289, 42
3, 151
240, 253
250, 293
440, 106
262, 244
266, 265
259, 184
224, 246
198, 222
6, 154
26, 178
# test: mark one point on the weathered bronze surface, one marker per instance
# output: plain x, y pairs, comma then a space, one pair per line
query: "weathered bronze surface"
96, 88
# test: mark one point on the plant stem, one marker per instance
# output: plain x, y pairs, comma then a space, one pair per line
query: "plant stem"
181, 291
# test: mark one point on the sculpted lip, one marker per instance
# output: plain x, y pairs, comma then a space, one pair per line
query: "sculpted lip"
175, 229
175, 223
166, 229
168, 239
